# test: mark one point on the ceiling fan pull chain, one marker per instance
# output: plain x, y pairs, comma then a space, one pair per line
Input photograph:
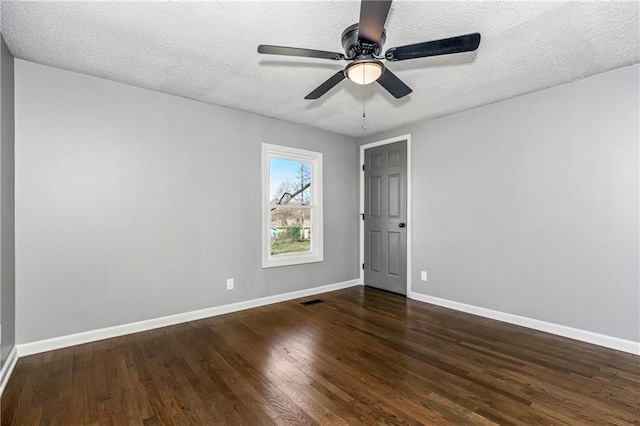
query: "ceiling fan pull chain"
364, 112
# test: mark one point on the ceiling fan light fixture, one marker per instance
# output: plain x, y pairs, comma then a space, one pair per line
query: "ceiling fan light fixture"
365, 71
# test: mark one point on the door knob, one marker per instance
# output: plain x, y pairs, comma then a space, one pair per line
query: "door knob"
402, 225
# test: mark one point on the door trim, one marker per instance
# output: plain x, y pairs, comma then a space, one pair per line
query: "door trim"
364, 147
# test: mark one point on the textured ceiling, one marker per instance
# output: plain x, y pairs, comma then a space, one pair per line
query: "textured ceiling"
207, 51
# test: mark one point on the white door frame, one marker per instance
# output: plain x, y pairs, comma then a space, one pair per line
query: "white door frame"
407, 138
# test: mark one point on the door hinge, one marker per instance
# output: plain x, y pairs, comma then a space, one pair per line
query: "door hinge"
362, 214
363, 167
363, 266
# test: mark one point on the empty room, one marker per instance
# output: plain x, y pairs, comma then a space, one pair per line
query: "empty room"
319, 212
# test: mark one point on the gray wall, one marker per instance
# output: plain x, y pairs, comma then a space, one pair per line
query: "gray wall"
132, 204
7, 246
530, 206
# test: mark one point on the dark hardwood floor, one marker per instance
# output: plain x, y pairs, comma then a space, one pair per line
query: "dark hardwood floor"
361, 357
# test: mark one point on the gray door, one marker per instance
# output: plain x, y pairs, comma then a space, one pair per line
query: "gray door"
385, 216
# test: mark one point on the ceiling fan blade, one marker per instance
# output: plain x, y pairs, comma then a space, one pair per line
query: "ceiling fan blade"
326, 86
373, 14
393, 84
446, 46
295, 51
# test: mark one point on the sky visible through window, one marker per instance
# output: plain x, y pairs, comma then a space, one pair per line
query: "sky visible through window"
285, 174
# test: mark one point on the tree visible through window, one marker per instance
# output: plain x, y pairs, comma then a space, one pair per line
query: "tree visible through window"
290, 224
293, 206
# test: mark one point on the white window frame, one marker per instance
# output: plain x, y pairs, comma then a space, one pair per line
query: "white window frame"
316, 254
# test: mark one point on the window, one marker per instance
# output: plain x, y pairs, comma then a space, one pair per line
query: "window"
291, 206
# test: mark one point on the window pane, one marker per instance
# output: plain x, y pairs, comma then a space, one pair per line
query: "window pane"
289, 181
290, 230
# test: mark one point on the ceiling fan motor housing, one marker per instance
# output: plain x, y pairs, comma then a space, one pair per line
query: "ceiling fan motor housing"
355, 48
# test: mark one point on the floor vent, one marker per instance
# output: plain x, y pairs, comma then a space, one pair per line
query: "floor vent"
312, 302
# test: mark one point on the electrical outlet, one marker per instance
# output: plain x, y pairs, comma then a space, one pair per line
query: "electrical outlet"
423, 275
230, 284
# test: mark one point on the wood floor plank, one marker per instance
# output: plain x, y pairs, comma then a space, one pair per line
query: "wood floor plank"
362, 357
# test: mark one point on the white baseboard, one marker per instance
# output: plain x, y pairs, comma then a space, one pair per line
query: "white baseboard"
135, 327
7, 368
548, 327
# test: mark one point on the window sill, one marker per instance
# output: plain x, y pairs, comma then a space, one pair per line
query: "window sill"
290, 260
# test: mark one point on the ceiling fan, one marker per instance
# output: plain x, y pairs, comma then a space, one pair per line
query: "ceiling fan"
362, 43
